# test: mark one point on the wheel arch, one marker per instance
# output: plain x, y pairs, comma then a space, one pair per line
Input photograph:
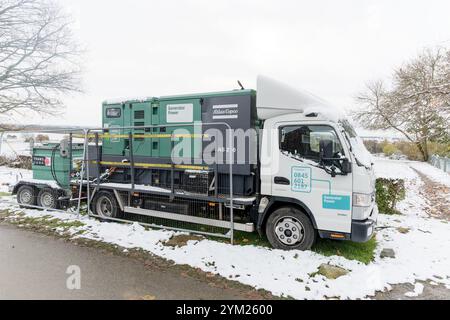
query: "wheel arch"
20, 184
279, 202
36, 186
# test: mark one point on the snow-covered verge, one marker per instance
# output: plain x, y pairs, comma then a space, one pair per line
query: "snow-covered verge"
433, 173
14, 148
422, 250
10, 176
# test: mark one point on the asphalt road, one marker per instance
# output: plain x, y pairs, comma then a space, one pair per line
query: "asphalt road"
33, 266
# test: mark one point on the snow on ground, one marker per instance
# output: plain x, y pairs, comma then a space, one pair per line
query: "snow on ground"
394, 169
13, 148
10, 176
418, 290
435, 174
421, 254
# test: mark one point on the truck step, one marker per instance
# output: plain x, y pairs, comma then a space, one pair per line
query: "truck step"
246, 227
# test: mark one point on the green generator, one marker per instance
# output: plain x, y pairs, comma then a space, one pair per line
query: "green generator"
146, 132
53, 162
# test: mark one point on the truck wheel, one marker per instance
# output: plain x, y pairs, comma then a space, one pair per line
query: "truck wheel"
288, 228
26, 195
105, 205
47, 198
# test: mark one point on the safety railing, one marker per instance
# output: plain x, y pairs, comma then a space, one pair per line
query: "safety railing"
128, 184
442, 163
154, 187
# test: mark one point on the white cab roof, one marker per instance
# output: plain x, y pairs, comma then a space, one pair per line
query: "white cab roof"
275, 98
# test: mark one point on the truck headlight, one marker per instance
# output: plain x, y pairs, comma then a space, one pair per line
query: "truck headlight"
362, 199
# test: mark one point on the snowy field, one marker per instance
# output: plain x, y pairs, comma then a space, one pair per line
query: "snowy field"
13, 148
422, 253
10, 176
19, 147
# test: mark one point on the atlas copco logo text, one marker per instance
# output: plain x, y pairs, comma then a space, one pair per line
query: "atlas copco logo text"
226, 111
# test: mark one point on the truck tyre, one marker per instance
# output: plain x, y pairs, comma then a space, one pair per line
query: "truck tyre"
288, 228
105, 205
26, 196
47, 198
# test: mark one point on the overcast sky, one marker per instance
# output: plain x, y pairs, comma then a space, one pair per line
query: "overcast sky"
331, 48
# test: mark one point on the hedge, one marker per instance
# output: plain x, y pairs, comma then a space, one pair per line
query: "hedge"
388, 193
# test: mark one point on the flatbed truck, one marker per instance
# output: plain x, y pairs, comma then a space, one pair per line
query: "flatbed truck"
291, 167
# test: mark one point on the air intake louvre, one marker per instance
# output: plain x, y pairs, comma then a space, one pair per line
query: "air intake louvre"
139, 114
138, 124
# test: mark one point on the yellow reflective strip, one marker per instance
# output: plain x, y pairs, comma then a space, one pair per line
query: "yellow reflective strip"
188, 167
108, 136
194, 135
111, 163
166, 135
153, 165
82, 136
158, 135
152, 135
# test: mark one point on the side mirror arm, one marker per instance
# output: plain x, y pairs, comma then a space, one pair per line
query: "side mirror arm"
345, 169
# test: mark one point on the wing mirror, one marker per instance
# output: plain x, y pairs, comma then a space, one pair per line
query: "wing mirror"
346, 166
327, 158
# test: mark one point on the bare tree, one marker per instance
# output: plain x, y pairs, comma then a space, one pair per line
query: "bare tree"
417, 103
39, 59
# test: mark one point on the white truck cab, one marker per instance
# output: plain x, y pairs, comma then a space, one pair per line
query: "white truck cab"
316, 174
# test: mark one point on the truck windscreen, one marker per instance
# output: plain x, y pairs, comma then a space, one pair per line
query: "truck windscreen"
363, 157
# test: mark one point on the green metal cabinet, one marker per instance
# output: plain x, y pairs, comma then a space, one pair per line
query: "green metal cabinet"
48, 164
155, 141
141, 116
114, 145
186, 127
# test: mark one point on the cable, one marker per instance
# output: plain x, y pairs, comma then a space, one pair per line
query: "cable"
52, 168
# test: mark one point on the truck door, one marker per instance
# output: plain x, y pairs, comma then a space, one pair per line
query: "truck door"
301, 174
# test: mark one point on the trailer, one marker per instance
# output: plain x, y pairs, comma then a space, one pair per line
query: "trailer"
276, 160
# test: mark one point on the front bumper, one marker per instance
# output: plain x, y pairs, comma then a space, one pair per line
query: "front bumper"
362, 230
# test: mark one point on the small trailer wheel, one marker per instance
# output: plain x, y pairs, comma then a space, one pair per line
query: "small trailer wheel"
26, 196
105, 205
288, 228
47, 198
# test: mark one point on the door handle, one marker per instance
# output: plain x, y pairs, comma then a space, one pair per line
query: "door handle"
281, 180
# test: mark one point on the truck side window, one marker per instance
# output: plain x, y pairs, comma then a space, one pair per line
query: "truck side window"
304, 141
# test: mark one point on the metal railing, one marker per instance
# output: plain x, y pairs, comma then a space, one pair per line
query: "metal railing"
167, 205
207, 208
442, 163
